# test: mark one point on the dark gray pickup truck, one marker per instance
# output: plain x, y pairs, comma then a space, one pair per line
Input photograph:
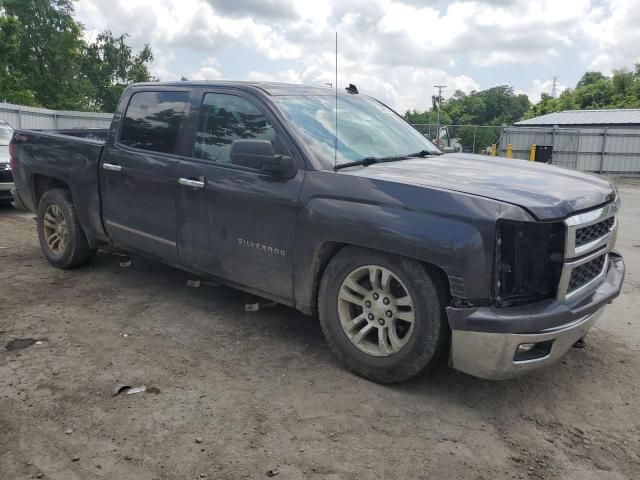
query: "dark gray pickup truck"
407, 256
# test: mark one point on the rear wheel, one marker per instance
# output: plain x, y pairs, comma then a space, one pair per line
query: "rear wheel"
61, 237
382, 315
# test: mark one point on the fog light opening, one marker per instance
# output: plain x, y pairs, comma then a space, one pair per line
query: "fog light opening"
532, 351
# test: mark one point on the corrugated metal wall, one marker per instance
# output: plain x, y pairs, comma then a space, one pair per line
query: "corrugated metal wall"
38, 118
613, 150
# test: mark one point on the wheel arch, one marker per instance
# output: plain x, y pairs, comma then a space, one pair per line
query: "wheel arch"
328, 250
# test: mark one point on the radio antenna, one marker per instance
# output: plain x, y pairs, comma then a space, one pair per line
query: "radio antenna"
335, 147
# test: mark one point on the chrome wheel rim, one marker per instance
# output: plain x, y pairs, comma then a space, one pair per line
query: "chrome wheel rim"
55, 229
376, 310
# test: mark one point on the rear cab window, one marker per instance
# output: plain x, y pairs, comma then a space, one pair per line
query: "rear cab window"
152, 121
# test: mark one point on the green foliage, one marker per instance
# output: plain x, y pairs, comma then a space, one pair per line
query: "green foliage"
494, 106
595, 91
45, 61
109, 65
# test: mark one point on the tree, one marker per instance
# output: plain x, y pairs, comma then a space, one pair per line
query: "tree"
109, 64
45, 61
589, 78
12, 82
49, 49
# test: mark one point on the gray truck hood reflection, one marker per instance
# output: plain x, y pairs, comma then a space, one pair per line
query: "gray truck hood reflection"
547, 192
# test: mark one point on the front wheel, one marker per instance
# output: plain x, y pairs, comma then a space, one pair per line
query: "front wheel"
61, 237
382, 315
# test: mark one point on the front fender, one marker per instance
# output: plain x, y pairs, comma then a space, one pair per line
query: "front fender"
453, 231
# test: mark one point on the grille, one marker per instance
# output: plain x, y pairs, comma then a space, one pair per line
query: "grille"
588, 234
5, 176
586, 272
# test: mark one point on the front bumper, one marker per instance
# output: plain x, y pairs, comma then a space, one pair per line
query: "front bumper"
485, 340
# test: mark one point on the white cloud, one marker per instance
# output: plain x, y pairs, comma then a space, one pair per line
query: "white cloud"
395, 49
614, 31
539, 87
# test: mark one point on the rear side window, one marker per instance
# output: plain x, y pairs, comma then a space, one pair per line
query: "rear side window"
225, 118
153, 120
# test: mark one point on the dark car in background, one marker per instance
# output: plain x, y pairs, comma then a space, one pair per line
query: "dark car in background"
6, 178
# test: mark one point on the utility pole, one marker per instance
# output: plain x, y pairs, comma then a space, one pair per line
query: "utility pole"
554, 87
439, 99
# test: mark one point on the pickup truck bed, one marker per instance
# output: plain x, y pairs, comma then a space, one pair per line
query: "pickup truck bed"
72, 155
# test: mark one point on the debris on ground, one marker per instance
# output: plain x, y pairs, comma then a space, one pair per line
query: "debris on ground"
68, 431
119, 388
139, 389
193, 283
75, 458
251, 307
20, 343
254, 307
273, 472
198, 440
125, 264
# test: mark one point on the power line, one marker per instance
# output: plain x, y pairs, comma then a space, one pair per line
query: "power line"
554, 87
439, 99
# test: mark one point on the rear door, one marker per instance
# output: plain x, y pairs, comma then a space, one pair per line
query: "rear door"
138, 172
236, 222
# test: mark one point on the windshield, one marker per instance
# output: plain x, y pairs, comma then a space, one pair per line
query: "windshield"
366, 129
5, 134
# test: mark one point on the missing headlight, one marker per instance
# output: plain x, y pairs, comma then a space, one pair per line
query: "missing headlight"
528, 263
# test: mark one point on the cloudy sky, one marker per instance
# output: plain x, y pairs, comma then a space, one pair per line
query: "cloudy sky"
395, 50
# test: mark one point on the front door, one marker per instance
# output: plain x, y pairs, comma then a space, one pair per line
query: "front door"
138, 173
233, 221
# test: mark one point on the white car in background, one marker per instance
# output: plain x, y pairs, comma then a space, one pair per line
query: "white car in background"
6, 178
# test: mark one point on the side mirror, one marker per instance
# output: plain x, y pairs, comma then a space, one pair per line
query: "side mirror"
259, 154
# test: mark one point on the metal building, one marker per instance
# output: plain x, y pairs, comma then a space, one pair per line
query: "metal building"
590, 140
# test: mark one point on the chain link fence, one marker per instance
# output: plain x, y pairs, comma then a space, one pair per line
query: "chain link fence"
462, 138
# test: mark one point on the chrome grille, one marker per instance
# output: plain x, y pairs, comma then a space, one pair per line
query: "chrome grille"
589, 238
586, 272
593, 232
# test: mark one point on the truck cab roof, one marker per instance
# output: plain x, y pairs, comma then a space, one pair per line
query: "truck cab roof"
269, 88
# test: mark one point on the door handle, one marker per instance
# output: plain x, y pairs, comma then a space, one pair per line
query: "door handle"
187, 182
112, 167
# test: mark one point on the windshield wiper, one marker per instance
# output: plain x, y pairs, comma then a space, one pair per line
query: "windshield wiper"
423, 153
365, 162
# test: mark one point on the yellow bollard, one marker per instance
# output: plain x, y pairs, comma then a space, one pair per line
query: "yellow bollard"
532, 153
493, 150
509, 150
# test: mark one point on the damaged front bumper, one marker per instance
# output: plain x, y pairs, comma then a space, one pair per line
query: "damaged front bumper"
499, 343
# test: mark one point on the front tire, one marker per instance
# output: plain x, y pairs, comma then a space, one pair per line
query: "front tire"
61, 237
382, 315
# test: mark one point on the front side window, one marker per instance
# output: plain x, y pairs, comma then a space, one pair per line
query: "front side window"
153, 119
225, 118
366, 128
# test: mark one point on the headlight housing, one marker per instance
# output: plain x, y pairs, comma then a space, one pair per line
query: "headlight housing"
528, 261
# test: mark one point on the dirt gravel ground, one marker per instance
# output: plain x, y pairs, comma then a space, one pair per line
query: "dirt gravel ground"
235, 394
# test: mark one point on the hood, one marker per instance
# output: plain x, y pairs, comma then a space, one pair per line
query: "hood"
547, 192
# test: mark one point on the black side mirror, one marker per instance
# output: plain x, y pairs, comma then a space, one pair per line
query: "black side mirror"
259, 154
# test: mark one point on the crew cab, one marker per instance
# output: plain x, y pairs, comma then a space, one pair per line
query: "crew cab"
333, 204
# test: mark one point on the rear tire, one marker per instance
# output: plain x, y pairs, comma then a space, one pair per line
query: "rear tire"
400, 340
61, 237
